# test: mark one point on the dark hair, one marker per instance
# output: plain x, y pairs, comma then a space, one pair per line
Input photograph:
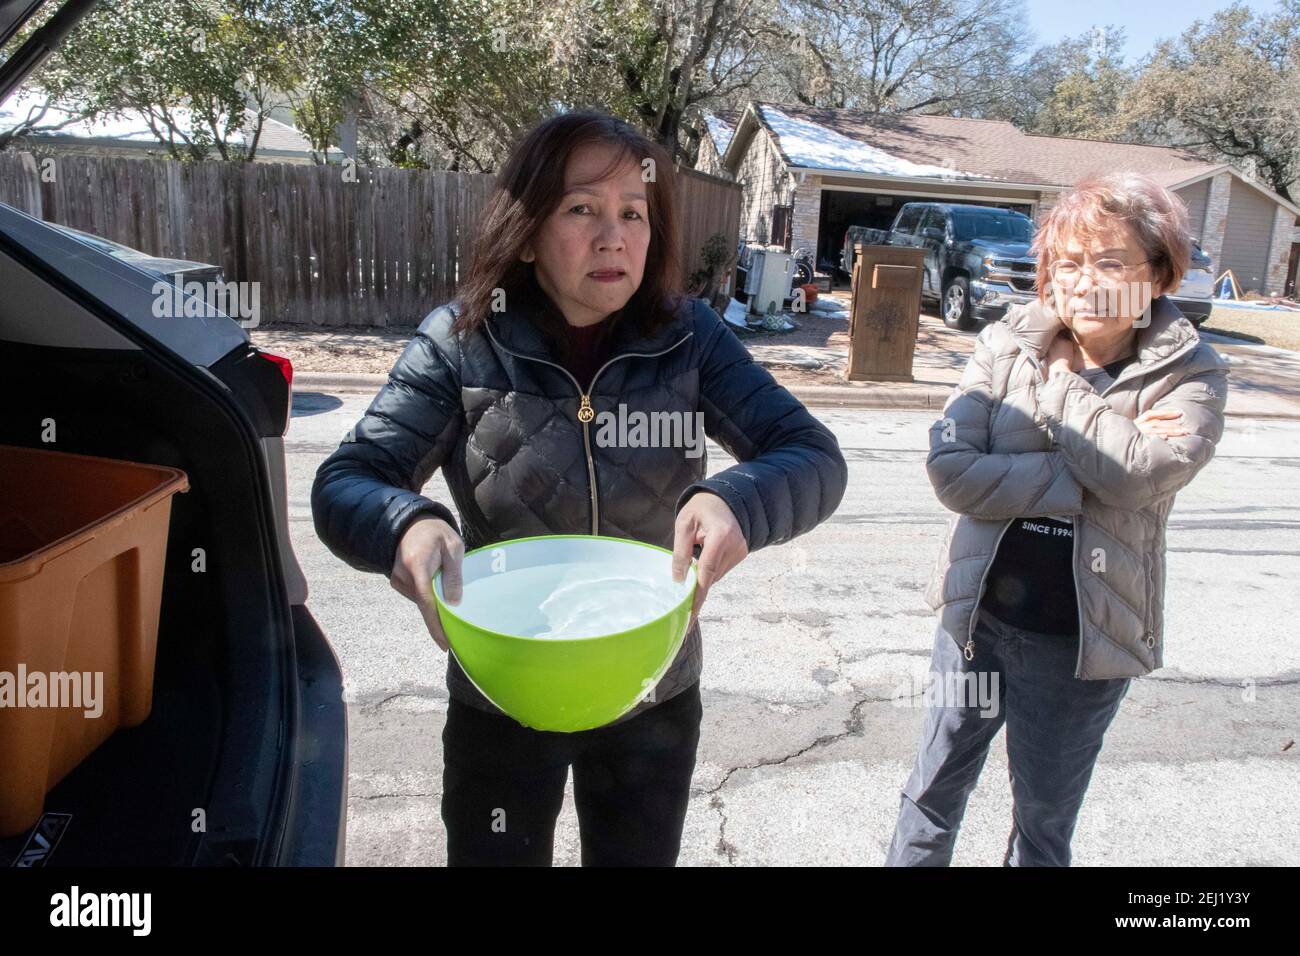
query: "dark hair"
529, 188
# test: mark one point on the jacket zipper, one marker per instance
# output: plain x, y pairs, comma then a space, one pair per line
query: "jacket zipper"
969, 649
585, 411
1149, 619
1078, 595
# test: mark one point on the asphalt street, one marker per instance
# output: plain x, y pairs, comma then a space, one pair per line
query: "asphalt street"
814, 657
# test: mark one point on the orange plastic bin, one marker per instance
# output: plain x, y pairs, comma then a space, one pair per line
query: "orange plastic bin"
83, 541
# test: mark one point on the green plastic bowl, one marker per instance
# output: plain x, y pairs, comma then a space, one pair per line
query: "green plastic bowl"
560, 682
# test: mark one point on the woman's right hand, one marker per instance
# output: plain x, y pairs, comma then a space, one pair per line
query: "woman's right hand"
427, 545
1063, 355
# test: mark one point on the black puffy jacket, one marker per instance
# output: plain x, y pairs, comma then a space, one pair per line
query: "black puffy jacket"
497, 413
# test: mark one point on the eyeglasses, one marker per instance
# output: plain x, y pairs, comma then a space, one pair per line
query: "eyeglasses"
1103, 271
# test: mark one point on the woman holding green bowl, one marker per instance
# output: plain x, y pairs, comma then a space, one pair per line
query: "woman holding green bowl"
571, 308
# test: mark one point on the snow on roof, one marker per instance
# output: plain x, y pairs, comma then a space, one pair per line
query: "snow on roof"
131, 125
128, 126
810, 144
720, 130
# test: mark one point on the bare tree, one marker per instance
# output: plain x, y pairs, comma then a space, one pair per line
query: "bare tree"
1227, 89
895, 56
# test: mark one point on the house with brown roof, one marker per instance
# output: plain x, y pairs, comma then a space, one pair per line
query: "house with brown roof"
809, 173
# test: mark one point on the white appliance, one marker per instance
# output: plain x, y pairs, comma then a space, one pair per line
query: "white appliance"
770, 274
752, 269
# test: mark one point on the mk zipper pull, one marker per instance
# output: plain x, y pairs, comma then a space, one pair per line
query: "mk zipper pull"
585, 411
969, 649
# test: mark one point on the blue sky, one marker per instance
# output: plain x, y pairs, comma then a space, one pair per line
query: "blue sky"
1144, 23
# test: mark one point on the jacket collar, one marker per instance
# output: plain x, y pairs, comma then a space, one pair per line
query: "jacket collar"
1169, 333
517, 330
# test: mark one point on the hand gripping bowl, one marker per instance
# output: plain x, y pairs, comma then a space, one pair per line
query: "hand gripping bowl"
567, 632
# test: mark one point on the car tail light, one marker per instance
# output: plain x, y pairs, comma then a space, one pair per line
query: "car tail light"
262, 383
286, 370
286, 367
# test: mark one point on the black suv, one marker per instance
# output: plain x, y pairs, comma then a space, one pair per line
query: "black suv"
248, 723
977, 260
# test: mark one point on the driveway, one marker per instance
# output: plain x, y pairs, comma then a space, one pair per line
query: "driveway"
814, 655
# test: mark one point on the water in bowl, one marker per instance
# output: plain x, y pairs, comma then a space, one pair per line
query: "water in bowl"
583, 599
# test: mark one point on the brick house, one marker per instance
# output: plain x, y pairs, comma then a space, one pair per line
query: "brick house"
810, 173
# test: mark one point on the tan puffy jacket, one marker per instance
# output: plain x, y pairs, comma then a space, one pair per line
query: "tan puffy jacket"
1014, 442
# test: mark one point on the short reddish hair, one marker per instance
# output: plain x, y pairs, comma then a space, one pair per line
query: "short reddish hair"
1157, 217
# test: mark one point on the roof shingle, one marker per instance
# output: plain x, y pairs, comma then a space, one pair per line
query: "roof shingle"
996, 149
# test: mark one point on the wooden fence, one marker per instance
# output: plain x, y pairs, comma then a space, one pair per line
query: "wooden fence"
381, 247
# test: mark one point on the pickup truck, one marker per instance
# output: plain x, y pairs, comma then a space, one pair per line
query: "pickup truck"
859, 234
977, 260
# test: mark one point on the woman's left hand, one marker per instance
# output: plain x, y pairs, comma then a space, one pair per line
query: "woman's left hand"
706, 520
1161, 423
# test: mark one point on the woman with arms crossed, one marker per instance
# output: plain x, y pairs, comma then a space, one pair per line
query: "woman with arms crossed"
1077, 420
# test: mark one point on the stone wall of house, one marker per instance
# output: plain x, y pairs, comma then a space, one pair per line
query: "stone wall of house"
1216, 217
1044, 205
807, 213
1279, 256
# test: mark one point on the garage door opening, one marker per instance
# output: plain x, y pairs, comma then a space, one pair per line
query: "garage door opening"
842, 208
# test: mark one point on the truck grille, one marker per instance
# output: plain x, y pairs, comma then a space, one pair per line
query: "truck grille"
1020, 274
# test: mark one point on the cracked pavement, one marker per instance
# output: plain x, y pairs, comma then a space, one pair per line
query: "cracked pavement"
814, 654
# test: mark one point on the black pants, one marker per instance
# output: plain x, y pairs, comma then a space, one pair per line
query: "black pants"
503, 786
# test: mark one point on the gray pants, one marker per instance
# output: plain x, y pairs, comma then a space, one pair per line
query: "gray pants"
1055, 724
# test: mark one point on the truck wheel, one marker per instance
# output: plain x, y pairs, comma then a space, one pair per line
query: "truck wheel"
956, 305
